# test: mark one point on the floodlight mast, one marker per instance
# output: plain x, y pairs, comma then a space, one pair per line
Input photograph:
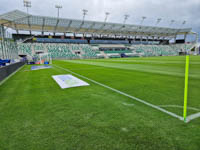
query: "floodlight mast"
106, 18
84, 14
172, 22
158, 21
143, 18
27, 4
124, 22
125, 18
58, 7
183, 23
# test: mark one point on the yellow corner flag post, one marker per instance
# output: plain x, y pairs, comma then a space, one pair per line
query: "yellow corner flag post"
186, 87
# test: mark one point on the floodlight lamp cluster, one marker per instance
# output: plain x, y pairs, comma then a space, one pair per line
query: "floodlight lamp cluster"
58, 6
125, 18
27, 3
107, 14
84, 14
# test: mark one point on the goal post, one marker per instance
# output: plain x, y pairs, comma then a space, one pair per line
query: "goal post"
45, 58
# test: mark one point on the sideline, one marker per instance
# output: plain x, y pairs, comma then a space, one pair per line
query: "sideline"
177, 106
192, 117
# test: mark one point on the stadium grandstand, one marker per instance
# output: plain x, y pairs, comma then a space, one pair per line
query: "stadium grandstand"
78, 84
83, 39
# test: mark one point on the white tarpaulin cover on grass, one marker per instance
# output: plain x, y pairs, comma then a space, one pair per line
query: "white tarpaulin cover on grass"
40, 67
68, 81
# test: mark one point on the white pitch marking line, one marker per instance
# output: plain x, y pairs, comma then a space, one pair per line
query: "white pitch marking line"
126, 104
192, 117
124, 129
127, 95
177, 106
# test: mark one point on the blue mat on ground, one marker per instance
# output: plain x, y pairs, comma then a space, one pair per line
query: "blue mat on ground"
40, 67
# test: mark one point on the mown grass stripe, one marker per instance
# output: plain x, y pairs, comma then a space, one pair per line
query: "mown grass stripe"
138, 67
122, 93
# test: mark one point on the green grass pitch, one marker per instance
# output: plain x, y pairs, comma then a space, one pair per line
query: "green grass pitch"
36, 114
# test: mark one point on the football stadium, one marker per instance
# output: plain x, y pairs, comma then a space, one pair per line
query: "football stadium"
69, 84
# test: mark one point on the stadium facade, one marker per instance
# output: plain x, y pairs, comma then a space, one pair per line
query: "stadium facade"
63, 38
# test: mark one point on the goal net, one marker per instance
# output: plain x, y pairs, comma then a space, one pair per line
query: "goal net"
44, 58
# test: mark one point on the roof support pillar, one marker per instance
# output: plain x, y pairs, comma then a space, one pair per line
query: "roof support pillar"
185, 36
3, 53
56, 26
197, 37
140, 39
43, 23
90, 28
175, 38
29, 25
16, 29
68, 26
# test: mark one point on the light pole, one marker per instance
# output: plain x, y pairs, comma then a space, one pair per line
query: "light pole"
172, 21
84, 14
185, 35
125, 18
58, 7
158, 21
143, 18
27, 4
107, 14
184, 22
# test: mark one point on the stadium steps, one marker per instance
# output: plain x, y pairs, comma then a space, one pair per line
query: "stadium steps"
67, 51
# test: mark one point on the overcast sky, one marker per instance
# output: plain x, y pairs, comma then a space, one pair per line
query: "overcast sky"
178, 10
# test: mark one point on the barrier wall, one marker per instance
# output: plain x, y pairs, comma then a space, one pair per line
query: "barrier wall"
7, 70
109, 42
47, 40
